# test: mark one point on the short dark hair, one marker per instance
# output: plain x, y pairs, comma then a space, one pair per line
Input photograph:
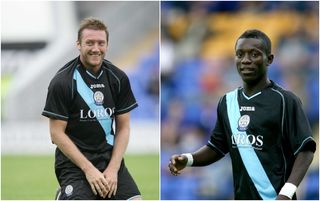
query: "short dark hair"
254, 33
92, 23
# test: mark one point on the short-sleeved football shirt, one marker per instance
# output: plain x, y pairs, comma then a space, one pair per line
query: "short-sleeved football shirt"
263, 133
89, 104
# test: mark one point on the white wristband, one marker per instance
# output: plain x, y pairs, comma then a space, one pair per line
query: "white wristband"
190, 159
288, 190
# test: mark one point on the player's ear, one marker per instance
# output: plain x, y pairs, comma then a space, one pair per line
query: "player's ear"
270, 59
78, 45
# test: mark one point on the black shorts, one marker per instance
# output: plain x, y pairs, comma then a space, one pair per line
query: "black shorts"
74, 185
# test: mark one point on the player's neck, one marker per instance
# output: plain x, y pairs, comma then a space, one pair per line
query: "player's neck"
252, 88
94, 70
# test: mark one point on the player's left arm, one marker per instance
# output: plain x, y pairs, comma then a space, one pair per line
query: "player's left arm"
298, 134
120, 145
300, 167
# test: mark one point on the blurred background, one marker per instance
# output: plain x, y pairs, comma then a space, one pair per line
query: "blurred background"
37, 39
197, 68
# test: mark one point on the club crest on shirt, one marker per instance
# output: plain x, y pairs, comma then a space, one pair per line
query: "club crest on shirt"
243, 122
98, 97
69, 190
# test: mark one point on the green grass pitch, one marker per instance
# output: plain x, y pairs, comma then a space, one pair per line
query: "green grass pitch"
32, 177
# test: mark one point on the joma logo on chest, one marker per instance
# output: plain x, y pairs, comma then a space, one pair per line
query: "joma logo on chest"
247, 108
96, 86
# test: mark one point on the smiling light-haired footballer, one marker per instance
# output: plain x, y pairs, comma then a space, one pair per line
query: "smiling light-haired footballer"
85, 98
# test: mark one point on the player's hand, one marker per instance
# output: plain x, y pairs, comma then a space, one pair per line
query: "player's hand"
177, 163
98, 183
111, 176
282, 197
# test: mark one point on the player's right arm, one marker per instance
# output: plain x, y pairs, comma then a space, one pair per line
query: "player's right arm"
202, 157
216, 148
95, 178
